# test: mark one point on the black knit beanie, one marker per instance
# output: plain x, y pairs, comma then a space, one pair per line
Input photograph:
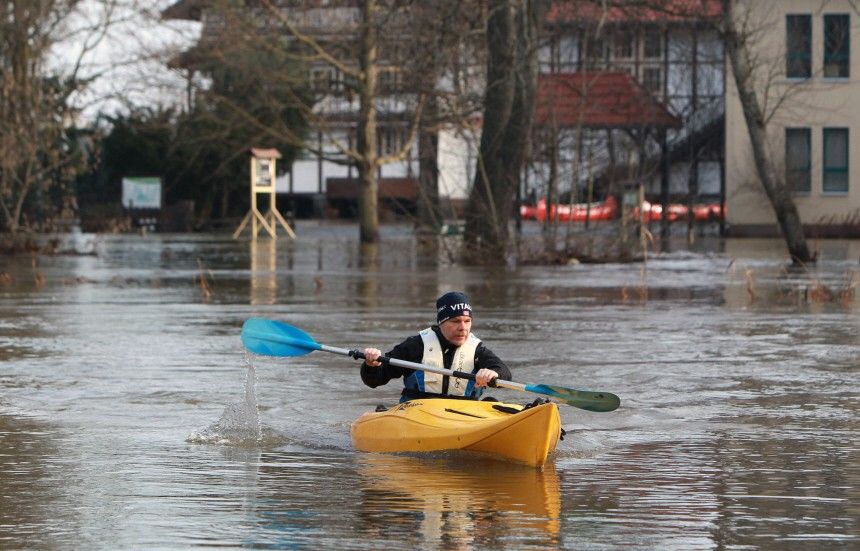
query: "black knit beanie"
451, 305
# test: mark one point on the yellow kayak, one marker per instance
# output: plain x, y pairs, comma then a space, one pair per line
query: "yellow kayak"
506, 431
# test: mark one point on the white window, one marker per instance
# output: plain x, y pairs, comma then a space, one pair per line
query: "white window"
798, 45
389, 80
652, 79
391, 140
652, 44
326, 79
798, 155
623, 45
835, 160
568, 53
837, 45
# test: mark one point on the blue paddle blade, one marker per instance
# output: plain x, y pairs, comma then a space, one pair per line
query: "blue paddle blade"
274, 338
583, 399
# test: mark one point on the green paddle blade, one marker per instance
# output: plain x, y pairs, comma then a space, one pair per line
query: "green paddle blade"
274, 338
583, 399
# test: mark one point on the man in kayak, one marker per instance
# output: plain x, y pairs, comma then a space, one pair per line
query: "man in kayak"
449, 344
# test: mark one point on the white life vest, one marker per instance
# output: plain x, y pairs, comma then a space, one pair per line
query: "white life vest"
464, 360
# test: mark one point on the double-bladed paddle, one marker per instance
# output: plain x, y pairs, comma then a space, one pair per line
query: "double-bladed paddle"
275, 338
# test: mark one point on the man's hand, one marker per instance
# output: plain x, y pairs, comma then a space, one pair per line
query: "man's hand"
371, 355
484, 376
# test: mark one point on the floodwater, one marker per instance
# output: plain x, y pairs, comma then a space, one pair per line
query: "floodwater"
131, 417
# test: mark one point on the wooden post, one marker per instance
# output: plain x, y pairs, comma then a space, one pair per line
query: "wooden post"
263, 177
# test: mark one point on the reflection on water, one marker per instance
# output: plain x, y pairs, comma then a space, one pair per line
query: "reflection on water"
738, 380
368, 263
264, 270
33, 479
397, 502
456, 502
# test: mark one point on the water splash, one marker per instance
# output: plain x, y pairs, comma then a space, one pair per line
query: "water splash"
239, 425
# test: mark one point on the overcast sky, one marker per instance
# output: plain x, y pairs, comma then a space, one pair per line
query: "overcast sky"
128, 56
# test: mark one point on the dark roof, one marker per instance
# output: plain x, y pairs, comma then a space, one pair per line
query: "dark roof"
185, 9
598, 100
620, 11
193, 9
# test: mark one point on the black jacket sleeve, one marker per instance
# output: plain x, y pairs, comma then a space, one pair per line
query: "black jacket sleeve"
410, 350
485, 358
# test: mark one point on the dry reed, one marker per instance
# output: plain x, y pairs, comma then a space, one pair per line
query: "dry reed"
204, 281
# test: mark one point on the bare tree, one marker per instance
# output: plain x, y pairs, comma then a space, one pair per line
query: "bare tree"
35, 112
779, 194
445, 52
377, 46
375, 68
371, 65
340, 53
512, 43
759, 97
430, 50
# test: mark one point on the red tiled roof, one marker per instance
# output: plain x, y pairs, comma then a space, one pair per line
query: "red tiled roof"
621, 11
597, 100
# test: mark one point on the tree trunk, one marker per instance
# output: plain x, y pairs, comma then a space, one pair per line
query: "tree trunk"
529, 16
429, 214
512, 29
776, 190
550, 223
482, 218
368, 165
224, 202
664, 191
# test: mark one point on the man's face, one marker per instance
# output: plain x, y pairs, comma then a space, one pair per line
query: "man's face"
456, 329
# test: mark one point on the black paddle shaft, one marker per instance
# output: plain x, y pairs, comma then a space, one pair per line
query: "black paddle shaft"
385, 360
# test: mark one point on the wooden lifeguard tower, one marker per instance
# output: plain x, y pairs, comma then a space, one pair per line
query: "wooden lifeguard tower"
263, 181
